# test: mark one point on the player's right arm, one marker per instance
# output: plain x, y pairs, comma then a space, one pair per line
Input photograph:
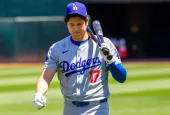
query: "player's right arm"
42, 87
44, 81
45, 78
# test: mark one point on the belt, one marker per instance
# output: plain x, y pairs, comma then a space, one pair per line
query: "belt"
82, 104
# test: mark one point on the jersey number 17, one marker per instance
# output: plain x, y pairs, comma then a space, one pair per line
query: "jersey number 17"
94, 75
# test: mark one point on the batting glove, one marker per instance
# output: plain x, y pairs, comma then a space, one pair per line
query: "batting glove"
103, 46
39, 101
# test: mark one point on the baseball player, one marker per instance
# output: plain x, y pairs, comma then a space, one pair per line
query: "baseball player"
82, 68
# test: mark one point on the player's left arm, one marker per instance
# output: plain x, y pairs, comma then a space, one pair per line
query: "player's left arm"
115, 66
118, 72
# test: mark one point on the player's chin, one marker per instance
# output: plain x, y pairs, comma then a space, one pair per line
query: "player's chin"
78, 36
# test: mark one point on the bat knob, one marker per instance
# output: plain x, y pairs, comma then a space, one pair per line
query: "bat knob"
109, 57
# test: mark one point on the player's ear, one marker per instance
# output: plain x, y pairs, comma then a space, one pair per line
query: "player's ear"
87, 21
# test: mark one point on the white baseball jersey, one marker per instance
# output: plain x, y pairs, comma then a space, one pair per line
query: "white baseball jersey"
82, 71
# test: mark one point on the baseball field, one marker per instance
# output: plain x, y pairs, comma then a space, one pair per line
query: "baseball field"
146, 91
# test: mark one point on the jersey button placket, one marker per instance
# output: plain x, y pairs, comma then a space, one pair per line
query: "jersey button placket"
78, 53
78, 74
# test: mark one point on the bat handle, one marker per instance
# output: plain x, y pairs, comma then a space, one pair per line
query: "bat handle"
106, 51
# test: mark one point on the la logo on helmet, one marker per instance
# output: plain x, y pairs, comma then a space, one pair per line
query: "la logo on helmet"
75, 7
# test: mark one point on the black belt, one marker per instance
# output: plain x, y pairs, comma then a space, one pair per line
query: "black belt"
81, 104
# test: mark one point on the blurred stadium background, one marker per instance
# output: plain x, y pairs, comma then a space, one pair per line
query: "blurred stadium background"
140, 29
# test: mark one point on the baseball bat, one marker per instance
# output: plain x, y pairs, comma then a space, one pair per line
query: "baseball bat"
91, 34
98, 30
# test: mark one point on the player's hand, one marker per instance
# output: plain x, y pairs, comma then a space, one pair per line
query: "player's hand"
105, 46
39, 101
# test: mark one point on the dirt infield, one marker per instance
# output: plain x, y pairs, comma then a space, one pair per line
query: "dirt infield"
3, 65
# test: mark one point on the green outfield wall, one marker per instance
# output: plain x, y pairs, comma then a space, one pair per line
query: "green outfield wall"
29, 27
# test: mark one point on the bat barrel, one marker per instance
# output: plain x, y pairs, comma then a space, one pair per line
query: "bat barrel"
98, 30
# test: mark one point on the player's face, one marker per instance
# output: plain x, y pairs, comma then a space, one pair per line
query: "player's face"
77, 27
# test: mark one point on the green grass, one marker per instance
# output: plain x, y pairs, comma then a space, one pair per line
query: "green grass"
146, 91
